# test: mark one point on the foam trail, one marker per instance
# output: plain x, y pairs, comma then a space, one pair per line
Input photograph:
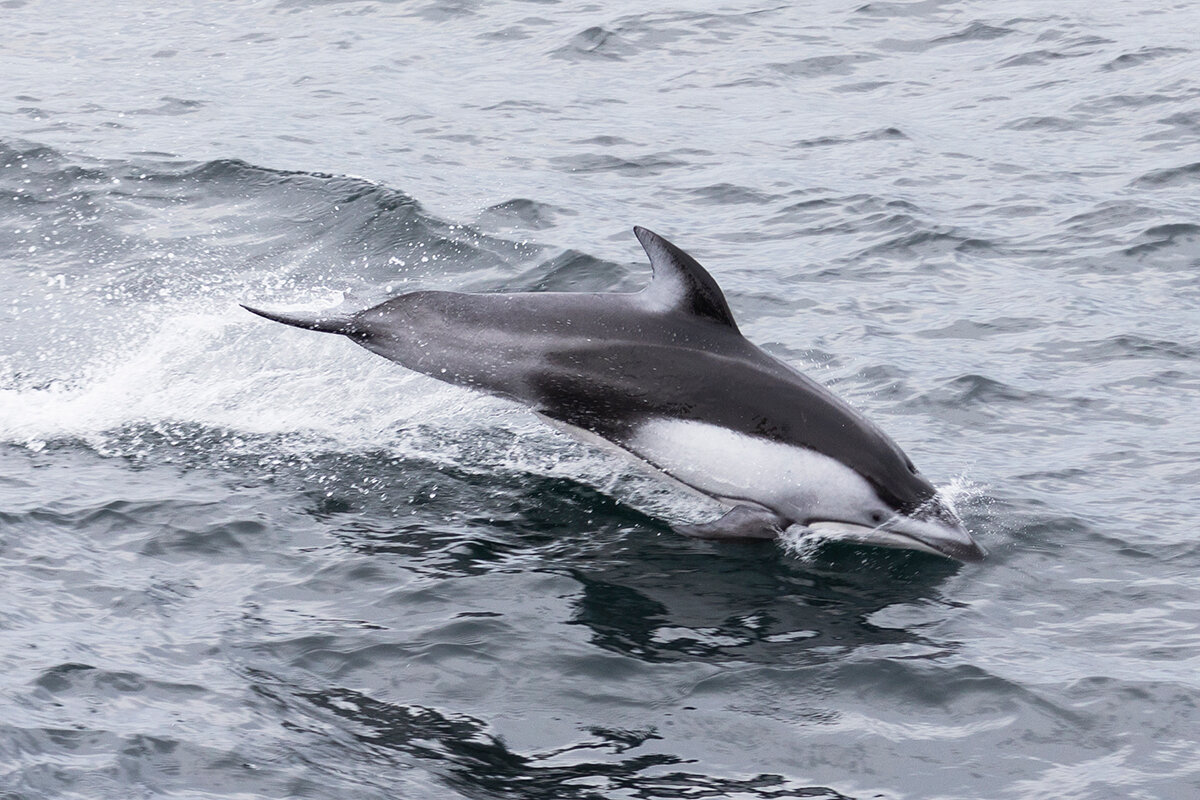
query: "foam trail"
220, 379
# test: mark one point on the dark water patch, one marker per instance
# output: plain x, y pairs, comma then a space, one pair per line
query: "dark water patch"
811, 204
470, 759
1069, 36
1183, 236
172, 107
596, 44
26, 160
544, 509
871, 204
107, 519
76, 681
972, 330
1115, 103
218, 540
1142, 56
761, 305
574, 271
821, 66
221, 216
326, 655
1049, 124
521, 213
1184, 123
977, 397
1109, 217
852, 214
1116, 348
891, 9
378, 490
653, 164
975, 32
1020, 211
883, 381
927, 244
1024, 523
1107, 699
680, 33
730, 194
882, 134
1038, 58
1169, 177
449, 10
861, 86
462, 525
669, 600
518, 108
606, 141
906, 683
47, 762
454, 519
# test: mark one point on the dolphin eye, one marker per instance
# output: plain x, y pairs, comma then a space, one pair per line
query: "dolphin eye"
876, 517
911, 467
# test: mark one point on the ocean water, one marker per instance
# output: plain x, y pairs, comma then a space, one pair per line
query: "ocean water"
240, 560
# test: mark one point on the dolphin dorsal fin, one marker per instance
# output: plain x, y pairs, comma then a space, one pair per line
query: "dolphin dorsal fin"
680, 283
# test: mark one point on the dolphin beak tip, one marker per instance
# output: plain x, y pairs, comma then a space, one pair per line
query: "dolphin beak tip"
961, 547
969, 554
950, 539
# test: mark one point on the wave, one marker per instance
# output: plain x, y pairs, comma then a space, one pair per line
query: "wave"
125, 338
1183, 175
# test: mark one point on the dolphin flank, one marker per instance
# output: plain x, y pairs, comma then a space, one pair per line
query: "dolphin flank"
665, 375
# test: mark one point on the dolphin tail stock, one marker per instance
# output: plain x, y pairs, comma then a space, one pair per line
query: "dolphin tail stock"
324, 321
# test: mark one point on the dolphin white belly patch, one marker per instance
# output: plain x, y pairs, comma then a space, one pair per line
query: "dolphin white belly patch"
628, 456
795, 482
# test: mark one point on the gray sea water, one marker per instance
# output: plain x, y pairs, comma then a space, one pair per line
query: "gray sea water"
244, 561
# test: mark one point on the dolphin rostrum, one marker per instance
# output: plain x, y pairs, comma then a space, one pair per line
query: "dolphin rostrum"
665, 375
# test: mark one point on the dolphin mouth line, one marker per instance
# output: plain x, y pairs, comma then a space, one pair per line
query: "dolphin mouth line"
888, 534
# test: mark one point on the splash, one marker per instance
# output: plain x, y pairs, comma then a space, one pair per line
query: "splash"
962, 494
959, 495
802, 542
214, 386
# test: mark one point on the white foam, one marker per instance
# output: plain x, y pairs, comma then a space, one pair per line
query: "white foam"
962, 492
272, 388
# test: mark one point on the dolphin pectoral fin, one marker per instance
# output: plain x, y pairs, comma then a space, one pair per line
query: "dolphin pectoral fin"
740, 522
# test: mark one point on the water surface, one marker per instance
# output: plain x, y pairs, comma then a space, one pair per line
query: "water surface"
243, 560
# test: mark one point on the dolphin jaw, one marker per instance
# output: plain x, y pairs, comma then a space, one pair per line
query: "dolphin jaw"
937, 536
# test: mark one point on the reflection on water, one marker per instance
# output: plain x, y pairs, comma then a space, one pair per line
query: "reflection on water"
666, 600
472, 761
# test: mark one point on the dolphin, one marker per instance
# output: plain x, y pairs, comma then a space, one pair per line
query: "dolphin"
665, 375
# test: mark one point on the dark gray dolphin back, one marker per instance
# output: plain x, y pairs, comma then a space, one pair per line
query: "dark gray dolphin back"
607, 362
